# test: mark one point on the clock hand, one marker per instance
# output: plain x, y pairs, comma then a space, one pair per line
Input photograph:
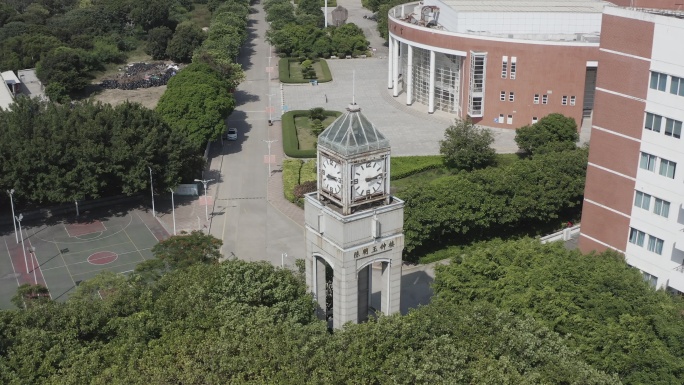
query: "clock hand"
331, 177
373, 177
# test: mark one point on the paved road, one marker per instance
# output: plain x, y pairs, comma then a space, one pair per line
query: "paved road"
251, 228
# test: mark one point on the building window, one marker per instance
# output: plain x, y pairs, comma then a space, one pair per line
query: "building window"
636, 237
653, 122
534, 119
676, 85
510, 119
667, 168
564, 100
503, 96
655, 245
572, 100
504, 67
650, 278
642, 200
658, 81
513, 67
501, 119
511, 96
673, 128
545, 99
536, 99
661, 207
647, 161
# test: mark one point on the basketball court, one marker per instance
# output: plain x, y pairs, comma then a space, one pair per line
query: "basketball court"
63, 253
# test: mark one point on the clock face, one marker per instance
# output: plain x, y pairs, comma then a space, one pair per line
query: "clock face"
368, 178
331, 176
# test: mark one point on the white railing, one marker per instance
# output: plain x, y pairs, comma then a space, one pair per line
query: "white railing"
563, 235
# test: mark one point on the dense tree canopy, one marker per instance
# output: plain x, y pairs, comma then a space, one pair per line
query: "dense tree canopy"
195, 104
512, 199
596, 302
239, 322
67, 39
53, 154
467, 146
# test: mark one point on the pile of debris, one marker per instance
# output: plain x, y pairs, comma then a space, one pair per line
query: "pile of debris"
141, 75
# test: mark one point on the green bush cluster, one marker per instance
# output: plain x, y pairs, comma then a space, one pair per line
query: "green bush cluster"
491, 202
290, 142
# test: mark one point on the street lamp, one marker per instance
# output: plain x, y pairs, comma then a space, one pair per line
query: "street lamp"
269, 142
282, 259
11, 192
19, 218
152, 191
173, 212
206, 202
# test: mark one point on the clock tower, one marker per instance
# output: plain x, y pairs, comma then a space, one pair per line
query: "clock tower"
354, 226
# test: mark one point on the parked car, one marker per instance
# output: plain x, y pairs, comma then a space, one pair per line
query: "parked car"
231, 134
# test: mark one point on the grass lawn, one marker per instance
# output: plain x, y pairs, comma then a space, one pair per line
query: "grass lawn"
296, 70
305, 136
112, 69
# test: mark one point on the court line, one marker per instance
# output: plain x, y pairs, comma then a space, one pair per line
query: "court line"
9, 254
65, 264
123, 264
95, 248
136, 246
85, 241
35, 255
86, 261
151, 233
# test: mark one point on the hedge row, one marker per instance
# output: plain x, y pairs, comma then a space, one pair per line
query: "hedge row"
290, 141
405, 166
284, 71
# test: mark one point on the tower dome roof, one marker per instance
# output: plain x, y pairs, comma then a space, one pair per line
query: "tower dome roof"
352, 134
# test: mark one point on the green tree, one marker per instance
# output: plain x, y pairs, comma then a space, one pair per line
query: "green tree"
185, 40
519, 198
467, 146
196, 103
64, 71
596, 302
552, 132
187, 249
157, 41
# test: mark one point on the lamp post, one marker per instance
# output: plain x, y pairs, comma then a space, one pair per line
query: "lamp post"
11, 193
269, 142
173, 212
19, 218
32, 252
152, 191
270, 110
206, 202
282, 259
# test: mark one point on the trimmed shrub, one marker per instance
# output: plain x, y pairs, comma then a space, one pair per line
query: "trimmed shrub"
406, 166
284, 71
290, 141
